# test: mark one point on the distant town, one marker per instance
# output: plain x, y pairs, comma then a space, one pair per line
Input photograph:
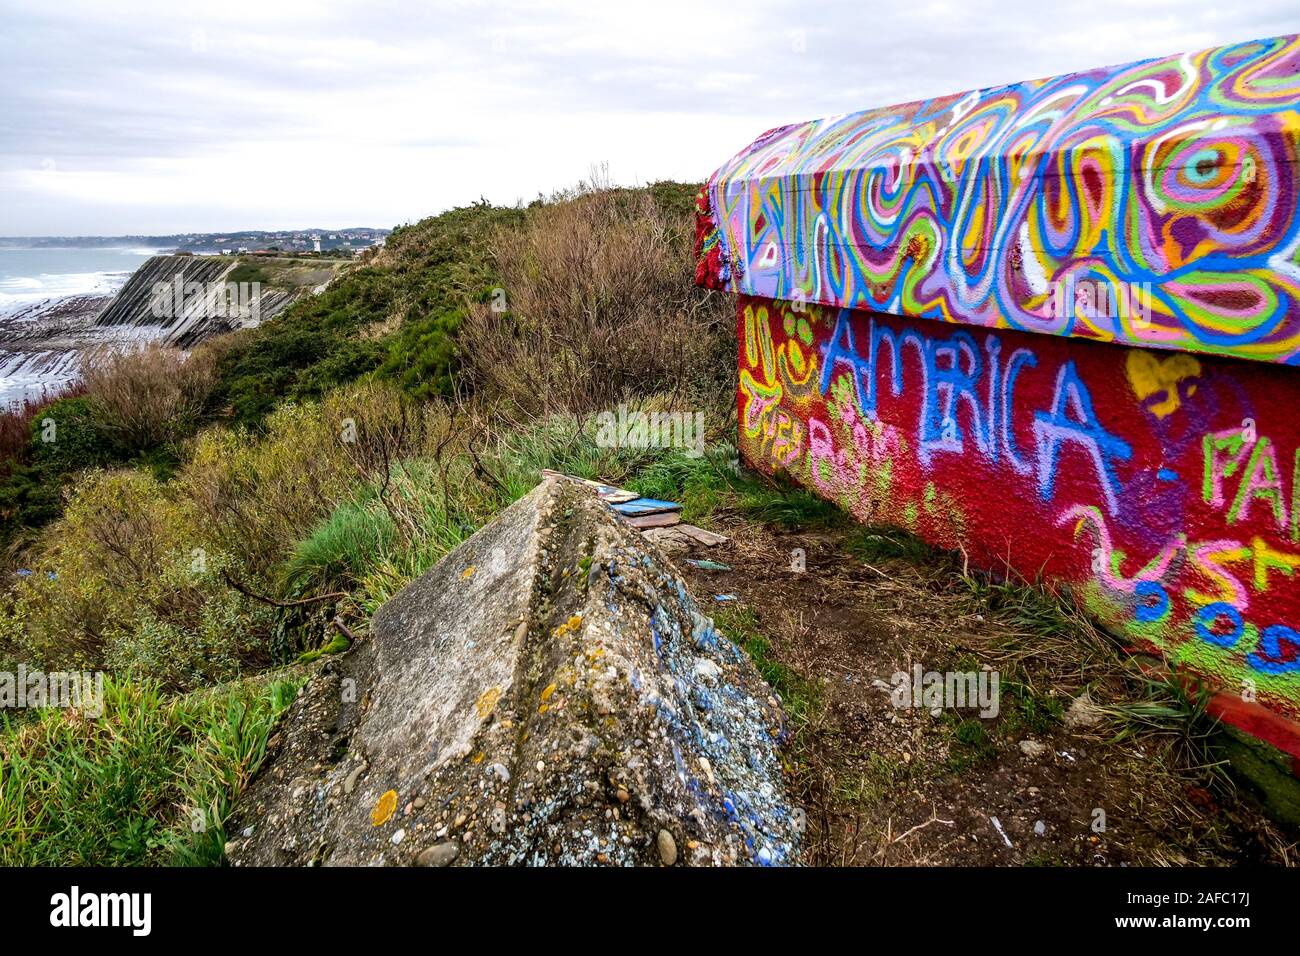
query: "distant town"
343, 242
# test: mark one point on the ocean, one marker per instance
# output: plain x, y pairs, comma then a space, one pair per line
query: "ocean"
48, 299
31, 276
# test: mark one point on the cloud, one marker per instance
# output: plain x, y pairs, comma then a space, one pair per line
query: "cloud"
252, 114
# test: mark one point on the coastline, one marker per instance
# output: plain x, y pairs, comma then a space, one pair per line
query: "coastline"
50, 298
42, 343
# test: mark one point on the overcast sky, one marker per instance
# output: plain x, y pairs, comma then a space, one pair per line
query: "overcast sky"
147, 118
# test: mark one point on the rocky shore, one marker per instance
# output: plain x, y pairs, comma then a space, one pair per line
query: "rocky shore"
41, 344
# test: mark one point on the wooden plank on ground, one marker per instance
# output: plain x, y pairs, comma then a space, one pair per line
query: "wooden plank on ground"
663, 519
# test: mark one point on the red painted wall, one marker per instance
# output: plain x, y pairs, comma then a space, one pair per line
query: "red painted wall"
1163, 487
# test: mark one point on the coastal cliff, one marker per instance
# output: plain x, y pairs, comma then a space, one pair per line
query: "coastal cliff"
178, 299
259, 289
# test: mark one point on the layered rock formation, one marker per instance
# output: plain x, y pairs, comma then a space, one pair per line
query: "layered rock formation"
188, 318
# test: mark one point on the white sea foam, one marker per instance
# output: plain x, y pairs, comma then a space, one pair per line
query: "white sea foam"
18, 293
30, 375
37, 281
29, 277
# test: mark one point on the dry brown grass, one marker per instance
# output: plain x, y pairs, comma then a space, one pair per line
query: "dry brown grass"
884, 787
599, 304
145, 397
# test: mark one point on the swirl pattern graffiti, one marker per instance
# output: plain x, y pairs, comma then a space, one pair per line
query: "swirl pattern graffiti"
1153, 204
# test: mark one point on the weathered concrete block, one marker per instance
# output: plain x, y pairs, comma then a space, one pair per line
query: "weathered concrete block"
548, 694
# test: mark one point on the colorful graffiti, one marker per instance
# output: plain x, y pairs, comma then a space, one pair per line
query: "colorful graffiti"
1164, 488
1152, 204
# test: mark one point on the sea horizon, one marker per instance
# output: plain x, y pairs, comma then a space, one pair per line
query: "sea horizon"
30, 276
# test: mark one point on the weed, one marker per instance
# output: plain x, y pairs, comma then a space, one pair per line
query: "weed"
799, 695
972, 745
890, 544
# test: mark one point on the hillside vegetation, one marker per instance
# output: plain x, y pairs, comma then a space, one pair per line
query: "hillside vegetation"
203, 528
206, 529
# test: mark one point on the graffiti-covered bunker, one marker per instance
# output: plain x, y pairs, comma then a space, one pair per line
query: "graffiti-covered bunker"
1056, 325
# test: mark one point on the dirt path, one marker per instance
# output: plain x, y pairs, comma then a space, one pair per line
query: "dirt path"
1038, 784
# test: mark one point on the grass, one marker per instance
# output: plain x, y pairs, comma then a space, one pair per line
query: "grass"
701, 484
249, 272
374, 543
972, 745
150, 782
1025, 712
1040, 638
1166, 705
799, 695
871, 785
714, 482
339, 551
1036, 633
779, 503
890, 544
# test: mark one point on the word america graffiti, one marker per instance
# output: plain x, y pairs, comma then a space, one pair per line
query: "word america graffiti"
1162, 488
1177, 178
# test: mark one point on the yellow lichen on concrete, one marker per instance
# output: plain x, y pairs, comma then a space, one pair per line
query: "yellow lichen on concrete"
384, 808
487, 702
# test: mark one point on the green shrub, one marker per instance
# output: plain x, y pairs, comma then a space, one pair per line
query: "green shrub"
599, 304
151, 781
420, 283
146, 397
421, 356
393, 531
339, 551
127, 582
66, 438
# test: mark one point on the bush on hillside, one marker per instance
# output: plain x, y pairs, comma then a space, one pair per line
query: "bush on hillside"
413, 291
598, 303
127, 582
62, 439
148, 396
178, 581
16, 423
67, 437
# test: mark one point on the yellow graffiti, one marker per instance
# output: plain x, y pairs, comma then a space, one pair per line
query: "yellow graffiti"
758, 342
770, 375
1267, 559
1209, 560
1151, 376
760, 400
